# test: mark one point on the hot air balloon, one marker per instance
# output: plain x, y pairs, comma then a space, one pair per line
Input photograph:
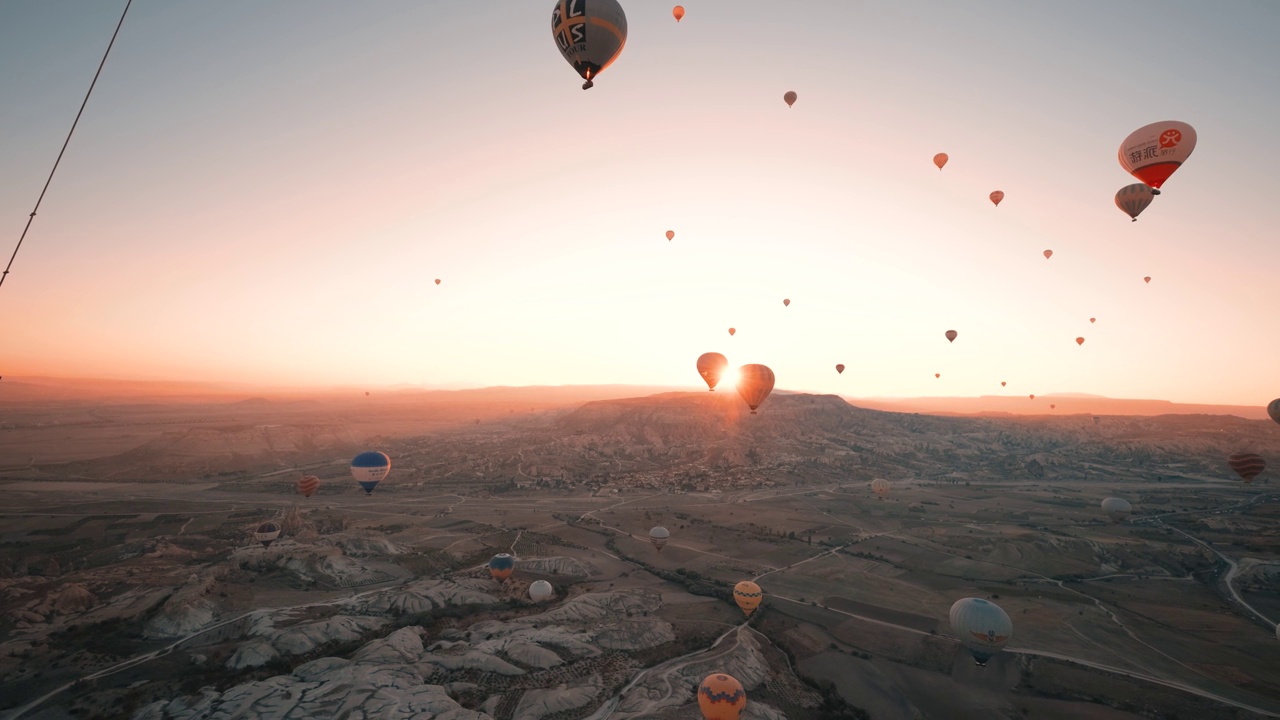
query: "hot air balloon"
1247, 465
308, 484
1273, 409
840, 369
951, 335
732, 331
755, 382
748, 596
437, 281
541, 590
1033, 397
996, 196
786, 302
880, 487
266, 532
721, 697
671, 234
1079, 341
1048, 254
590, 35
1052, 406
1002, 383
790, 97
937, 375
982, 626
1116, 509
1153, 152
501, 566
711, 367
658, 536
1146, 279
940, 159
677, 12
1135, 198
1093, 320
369, 468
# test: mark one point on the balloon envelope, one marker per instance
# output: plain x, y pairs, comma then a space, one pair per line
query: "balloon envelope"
786, 302
1093, 320
982, 626
711, 367
1154, 152
501, 566
658, 536
266, 532
951, 335
369, 468
721, 697
671, 234
1273, 409
755, 382
790, 97
840, 369
541, 590
308, 484
589, 35
1048, 254
880, 487
940, 159
1146, 279
437, 281
996, 196
748, 596
732, 331
1135, 198
1116, 509
678, 12
1079, 341
1247, 465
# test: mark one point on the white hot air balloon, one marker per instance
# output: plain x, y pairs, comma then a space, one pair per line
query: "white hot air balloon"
1135, 198
1116, 509
982, 626
658, 536
1153, 152
541, 590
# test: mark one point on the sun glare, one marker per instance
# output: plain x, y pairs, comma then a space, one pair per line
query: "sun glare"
730, 378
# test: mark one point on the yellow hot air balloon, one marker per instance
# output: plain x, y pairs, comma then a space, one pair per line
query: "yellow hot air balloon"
940, 159
590, 36
880, 487
790, 97
1048, 254
671, 234
1135, 198
1154, 152
721, 697
711, 367
678, 12
996, 196
755, 382
748, 596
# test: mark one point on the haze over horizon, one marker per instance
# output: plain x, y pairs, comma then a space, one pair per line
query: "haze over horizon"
265, 194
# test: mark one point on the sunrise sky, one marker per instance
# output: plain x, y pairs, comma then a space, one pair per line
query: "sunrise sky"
265, 192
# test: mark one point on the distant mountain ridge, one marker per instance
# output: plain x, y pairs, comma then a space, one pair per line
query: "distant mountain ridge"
1067, 404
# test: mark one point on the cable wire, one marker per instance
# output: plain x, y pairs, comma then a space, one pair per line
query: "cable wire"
66, 142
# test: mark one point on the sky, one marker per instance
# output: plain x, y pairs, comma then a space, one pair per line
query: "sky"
266, 192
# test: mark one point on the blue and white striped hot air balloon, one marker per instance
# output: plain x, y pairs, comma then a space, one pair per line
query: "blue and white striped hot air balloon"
982, 626
369, 468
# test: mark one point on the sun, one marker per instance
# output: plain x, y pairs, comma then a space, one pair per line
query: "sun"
730, 378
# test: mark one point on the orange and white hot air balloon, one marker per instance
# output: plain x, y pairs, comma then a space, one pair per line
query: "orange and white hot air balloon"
1154, 152
1048, 254
1135, 198
1079, 341
790, 97
590, 36
940, 159
677, 12
748, 596
755, 382
711, 367
996, 196
308, 484
721, 697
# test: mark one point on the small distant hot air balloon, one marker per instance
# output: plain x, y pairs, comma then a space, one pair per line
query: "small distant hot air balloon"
501, 566
721, 697
1154, 152
951, 335
937, 375
1048, 254
1052, 406
1146, 279
1079, 341
541, 590
983, 627
658, 536
732, 331
880, 487
1032, 396
1247, 465
266, 532
790, 98
940, 160
1135, 198
671, 234
369, 468
996, 196
786, 302
1273, 409
755, 382
678, 12
1116, 509
1002, 383
590, 36
308, 484
437, 281
840, 369
748, 596
1093, 320
711, 367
